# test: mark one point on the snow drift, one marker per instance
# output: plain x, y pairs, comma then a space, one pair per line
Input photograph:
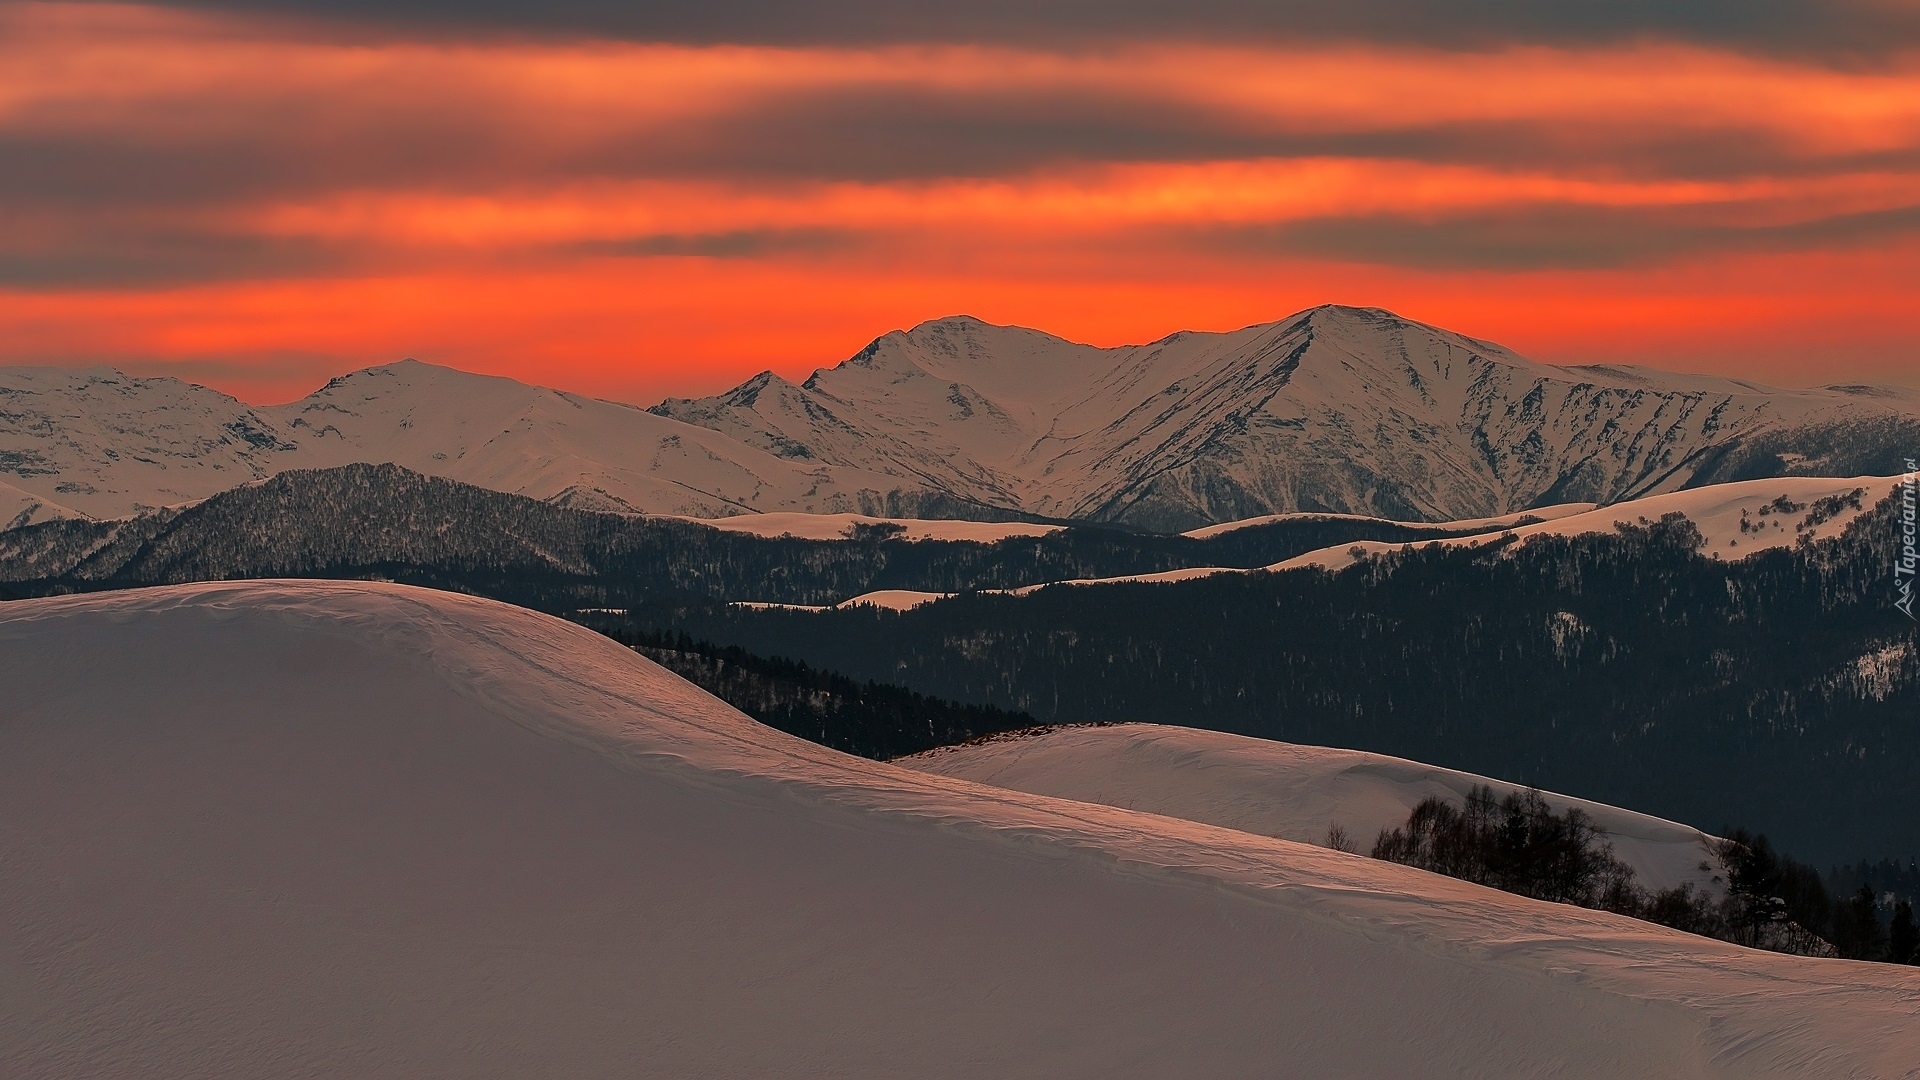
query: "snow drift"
280, 828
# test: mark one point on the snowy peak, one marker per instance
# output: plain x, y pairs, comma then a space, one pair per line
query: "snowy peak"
1334, 409
1009, 364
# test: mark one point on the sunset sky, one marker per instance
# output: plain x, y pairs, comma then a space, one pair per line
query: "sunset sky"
637, 200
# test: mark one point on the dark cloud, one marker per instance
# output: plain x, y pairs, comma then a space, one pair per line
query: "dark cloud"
251, 157
122, 257
882, 133
736, 244
873, 133
1553, 237
905, 132
1836, 28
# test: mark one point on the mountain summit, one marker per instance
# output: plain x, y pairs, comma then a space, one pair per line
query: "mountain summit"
1335, 408
1351, 410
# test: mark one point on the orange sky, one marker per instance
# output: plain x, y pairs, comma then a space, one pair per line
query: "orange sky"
261, 205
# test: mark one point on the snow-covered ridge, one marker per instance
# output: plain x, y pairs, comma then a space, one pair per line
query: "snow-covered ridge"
1280, 789
1480, 524
850, 526
1736, 520
19, 507
1331, 410
507, 845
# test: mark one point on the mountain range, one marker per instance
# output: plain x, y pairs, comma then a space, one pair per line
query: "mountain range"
1335, 409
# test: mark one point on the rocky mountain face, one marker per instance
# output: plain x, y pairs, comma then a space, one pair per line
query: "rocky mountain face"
1334, 409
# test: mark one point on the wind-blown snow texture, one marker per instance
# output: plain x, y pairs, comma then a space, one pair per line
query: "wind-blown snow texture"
1335, 409
279, 828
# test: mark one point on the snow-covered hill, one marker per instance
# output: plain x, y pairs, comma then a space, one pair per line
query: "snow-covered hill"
1333, 409
1735, 520
1281, 789
506, 846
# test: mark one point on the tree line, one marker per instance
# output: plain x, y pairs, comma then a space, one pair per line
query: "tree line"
1521, 845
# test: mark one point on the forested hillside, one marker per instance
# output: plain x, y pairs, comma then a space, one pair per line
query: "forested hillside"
383, 521
1779, 691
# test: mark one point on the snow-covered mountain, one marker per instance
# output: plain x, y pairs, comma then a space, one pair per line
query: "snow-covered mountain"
1344, 410
508, 846
107, 444
576, 451
1333, 409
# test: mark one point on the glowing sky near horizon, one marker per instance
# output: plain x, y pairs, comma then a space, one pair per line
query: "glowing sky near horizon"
665, 203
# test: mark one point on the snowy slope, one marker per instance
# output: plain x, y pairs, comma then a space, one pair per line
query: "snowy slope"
506, 847
19, 507
1333, 409
1279, 789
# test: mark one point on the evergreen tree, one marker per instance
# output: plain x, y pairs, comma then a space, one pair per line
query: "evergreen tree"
1857, 933
1903, 938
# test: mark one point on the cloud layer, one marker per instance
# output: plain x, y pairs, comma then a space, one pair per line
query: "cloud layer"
643, 198
1837, 29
